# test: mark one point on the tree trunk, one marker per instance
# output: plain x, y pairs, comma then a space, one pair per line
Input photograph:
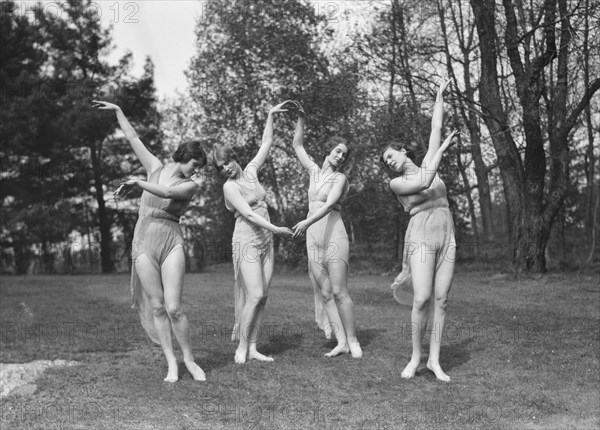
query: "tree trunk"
103, 219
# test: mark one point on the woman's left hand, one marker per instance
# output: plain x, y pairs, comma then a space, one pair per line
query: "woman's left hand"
126, 187
444, 82
300, 228
279, 108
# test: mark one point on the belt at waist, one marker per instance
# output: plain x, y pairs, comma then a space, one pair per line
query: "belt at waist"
425, 206
150, 212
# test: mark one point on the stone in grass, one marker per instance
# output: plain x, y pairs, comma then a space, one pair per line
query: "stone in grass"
19, 378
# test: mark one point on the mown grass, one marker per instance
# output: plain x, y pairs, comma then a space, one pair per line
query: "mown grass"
522, 353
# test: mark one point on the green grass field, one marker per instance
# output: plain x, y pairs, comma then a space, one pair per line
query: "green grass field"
521, 354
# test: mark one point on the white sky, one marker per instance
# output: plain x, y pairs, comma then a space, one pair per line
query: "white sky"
164, 30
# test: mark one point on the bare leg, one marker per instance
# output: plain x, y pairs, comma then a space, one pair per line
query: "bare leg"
152, 285
252, 273
319, 273
173, 270
338, 274
443, 282
422, 268
267, 274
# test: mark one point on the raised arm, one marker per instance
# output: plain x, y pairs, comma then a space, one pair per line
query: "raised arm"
149, 161
337, 191
298, 142
267, 139
183, 191
235, 198
436, 123
421, 179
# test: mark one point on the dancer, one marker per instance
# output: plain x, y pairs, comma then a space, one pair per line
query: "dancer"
157, 248
429, 245
252, 241
327, 242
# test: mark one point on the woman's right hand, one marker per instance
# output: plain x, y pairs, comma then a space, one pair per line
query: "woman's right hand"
284, 231
279, 108
105, 105
448, 142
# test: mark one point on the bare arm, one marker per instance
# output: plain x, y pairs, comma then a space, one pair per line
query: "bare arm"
422, 178
183, 191
267, 140
334, 196
149, 161
436, 123
235, 198
298, 145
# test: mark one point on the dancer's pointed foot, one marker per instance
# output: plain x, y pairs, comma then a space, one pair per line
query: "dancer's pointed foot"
342, 348
439, 373
355, 349
197, 372
240, 356
172, 373
253, 354
410, 369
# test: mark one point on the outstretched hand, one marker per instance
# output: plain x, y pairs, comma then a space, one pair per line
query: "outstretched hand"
295, 107
105, 105
284, 231
448, 142
444, 82
279, 107
126, 187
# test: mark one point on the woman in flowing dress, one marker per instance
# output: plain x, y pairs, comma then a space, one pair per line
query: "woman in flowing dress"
157, 249
252, 241
327, 243
429, 246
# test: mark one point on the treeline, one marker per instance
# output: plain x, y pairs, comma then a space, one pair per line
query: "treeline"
522, 183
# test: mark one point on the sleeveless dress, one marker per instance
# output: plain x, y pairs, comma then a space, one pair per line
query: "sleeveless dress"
326, 243
430, 230
250, 242
157, 234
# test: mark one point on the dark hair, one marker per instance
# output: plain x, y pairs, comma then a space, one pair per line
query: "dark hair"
186, 151
333, 142
223, 153
396, 147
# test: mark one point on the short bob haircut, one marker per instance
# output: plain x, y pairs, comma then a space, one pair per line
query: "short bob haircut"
333, 142
223, 154
396, 147
192, 149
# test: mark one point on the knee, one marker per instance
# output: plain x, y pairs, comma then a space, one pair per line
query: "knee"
441, 302
158, 308
420, 303
257, 299
174, 311
340, 296
326, 295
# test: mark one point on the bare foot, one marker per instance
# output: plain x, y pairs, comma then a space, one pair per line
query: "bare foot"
355, 349
255, 355
240, 357
340, 349
439, 373
410, 369
197, 373
172, 374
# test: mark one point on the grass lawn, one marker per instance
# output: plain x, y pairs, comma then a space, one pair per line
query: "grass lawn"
521, 354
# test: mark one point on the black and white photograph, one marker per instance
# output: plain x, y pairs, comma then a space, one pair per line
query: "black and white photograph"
300, 214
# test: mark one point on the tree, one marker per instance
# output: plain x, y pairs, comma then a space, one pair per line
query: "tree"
538, 50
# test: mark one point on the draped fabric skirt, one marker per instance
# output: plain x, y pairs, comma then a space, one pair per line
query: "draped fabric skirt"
156, 235
326, 244
430, 233
250, 244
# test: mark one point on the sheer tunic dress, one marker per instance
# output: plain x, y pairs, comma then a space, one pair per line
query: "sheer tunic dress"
326, 243
250, 243
157, 234
430, 234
